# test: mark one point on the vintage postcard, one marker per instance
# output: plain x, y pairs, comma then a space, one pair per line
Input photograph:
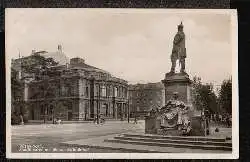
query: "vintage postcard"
121, 84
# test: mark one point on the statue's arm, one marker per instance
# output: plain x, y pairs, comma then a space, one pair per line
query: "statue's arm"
168, 103
178, 38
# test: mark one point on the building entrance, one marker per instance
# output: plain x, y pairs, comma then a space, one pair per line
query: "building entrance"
69, 115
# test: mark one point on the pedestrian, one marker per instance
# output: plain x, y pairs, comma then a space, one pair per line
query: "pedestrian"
102, 120
217, 118
21, 118
95, 119
58, 121
220, 118
228, 121
214, 117
135, 121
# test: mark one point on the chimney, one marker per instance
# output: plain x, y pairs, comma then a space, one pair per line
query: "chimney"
77, 61
33, 52
59, 48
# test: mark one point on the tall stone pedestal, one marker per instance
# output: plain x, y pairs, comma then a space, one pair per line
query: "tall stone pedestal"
178, 82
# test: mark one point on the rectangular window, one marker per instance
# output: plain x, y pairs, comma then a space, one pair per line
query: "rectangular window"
87, 91
108, 89
120, 92
125, 93
63, 89
57, 91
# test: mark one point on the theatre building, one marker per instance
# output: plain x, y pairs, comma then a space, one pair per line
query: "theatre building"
75, 91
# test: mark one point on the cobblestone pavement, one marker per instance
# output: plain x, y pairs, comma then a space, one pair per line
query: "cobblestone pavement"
50, 136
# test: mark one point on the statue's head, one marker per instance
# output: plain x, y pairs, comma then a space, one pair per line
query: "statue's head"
175, 95
180, 27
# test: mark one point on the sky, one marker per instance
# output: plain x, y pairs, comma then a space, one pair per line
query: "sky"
134, 45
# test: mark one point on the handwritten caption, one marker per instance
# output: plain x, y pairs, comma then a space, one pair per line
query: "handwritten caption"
41, 148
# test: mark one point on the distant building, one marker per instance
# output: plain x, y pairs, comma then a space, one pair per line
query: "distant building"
144, 97
75, 91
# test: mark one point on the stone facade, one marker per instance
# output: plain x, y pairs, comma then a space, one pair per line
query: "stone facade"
17, 92
144, 97
77, 91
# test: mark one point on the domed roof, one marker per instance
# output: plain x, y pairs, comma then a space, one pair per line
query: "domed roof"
58, 56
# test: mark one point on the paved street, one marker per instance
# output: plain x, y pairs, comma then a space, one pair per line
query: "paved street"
59, 136
51, 136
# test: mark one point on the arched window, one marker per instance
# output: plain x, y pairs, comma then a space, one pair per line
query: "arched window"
42, 110
111, 91
103, 91
96, 90
87, 91
116, 91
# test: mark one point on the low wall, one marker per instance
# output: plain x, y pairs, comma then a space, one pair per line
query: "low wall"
198, 127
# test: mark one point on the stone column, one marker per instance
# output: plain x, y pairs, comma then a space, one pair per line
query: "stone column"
126, 110
115, 111
123, 111
26, 91
163, 97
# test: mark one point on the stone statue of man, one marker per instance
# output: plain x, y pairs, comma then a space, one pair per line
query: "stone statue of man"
179, 50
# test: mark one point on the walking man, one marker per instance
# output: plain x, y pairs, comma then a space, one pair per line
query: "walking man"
135, 121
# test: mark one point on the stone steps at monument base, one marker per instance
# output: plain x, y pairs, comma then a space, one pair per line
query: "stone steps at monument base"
132, 148
107, 147
228, 144
183, 138
174, 144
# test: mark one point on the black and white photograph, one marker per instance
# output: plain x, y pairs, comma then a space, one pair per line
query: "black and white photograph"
121, 83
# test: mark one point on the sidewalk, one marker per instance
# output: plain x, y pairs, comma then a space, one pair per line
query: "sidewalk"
37, 122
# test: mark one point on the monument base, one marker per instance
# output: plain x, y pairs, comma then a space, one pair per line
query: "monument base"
177, 82
169, 132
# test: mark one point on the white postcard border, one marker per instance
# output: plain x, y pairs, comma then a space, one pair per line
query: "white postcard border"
235, 100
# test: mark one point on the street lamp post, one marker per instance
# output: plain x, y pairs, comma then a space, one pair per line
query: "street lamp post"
45, 84
45, 113
98, 105
129, 102
128, 112
53, 115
